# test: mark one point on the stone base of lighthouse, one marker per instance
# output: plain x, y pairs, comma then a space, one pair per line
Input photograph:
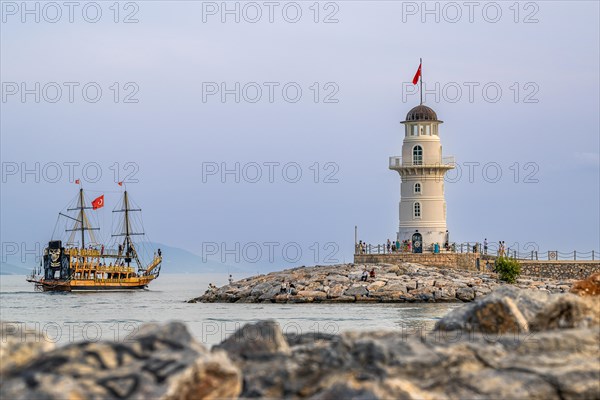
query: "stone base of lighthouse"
429, 236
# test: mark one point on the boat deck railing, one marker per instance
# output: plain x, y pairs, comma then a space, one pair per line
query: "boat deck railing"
110, 253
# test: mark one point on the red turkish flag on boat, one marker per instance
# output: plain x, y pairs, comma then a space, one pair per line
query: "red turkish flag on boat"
417, 75
121, 183
98, 202
77, 182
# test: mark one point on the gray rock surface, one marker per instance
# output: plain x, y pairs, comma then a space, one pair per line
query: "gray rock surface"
550, 364
256, 340
408, 282
509, 309
160, 362
19, 345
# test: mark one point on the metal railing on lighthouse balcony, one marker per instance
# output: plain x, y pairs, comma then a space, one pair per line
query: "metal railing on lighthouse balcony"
396, 162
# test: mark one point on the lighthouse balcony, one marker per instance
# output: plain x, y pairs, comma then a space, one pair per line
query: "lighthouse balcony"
397, 163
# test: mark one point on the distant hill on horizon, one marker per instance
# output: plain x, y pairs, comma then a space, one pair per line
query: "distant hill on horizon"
11, 269
177, 260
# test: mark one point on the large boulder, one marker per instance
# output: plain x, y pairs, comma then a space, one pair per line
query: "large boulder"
159, 362
566, 312
375, 286
395, 286
506, 309
312, 295
265, 287
465, 294
256, 340
357, 290
335, 291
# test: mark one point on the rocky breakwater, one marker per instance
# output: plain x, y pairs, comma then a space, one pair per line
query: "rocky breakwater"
392, 284
510, 344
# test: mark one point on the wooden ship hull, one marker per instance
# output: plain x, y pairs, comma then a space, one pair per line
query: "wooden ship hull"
88, 286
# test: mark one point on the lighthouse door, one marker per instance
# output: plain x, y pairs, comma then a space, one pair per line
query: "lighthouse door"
417, 243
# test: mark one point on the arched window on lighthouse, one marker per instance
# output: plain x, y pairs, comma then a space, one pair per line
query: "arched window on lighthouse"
417, 188
417, 210
417, 155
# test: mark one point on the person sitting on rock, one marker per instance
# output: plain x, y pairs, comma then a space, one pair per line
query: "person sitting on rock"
365, 275
372, 273
283, 289
290, 287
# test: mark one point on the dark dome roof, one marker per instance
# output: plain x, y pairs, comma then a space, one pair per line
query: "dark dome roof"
421, 113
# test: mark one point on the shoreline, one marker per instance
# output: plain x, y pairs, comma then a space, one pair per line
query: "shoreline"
341, 283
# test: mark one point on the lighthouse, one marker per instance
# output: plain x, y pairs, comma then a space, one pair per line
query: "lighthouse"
422, 169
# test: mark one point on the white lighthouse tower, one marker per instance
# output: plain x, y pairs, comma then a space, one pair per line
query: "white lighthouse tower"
422, 169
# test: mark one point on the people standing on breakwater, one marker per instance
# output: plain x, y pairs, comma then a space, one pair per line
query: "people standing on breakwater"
485, 244
230, 279
500, 249
397, 245
389, 245
362, 247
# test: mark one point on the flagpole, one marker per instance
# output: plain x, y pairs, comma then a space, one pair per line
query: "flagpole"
421, 66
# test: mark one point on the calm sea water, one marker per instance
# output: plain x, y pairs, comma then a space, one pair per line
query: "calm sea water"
69, 317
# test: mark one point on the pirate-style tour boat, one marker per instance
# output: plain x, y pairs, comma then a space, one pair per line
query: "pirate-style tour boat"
71, 266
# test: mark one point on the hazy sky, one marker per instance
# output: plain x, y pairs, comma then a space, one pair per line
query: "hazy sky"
161, 117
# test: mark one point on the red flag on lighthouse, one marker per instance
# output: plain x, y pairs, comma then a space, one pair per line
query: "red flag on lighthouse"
417, 75
98, 202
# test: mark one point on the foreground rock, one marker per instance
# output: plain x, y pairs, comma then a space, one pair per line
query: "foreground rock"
558, 361
588, 287
392, 284
511, 310
19, 345
161, 362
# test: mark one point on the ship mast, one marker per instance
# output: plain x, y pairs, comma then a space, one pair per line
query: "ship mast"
127, 238
81, 217
128, 233
81, 224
